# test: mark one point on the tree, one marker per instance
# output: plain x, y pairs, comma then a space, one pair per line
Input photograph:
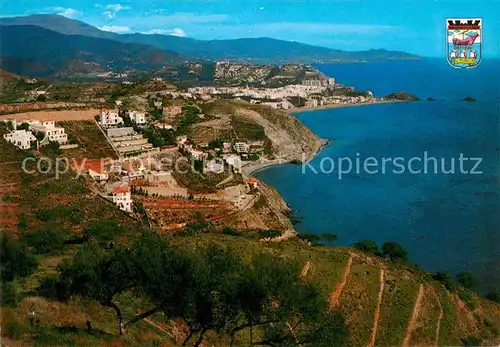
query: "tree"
367, 246
329, 238
394, 251
15, 260
274, 299
445, 279
23, 126
52, 148
309, 237
98, 275
467, 280
494, 296
211, 303
45, 240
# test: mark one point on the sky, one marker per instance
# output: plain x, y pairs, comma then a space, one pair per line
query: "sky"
414, 26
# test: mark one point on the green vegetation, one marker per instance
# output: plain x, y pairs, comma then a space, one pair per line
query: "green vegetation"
15, 260
367, 246
403, 96
247, 130
214, 290
467, 280
189, 117
330, 238
47, 240
394, 252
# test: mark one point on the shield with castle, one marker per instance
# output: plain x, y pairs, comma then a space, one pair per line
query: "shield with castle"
464, 38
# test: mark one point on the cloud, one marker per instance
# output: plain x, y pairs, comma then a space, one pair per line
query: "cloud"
115, 28
112, 9
66, 12
174, 32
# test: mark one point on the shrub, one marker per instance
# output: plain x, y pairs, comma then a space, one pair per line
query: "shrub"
50, 288
309, 237
445, 279
15, 261
467, 280
394, 251
367, 246
8, 294
23, 222
231, 232
105, 230
268, 233
45, 241
466, 297
494, 296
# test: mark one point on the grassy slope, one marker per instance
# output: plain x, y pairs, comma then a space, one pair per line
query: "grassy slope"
64, 323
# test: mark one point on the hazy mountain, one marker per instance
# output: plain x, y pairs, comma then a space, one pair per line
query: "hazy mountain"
259, 50
32, 50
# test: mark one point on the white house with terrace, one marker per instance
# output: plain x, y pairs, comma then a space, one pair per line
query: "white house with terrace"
52, 133
110, 119
20, 138
119, 194
138, 118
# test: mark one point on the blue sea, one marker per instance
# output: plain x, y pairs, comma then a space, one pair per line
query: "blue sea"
448, 222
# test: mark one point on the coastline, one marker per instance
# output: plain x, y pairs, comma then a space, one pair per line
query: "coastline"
252, 168
331, 106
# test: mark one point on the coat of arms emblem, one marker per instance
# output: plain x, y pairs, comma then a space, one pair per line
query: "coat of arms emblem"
463, 42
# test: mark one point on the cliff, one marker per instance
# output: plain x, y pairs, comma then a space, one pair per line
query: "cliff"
284, 135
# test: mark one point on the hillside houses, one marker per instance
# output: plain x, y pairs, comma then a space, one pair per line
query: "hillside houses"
119, 194
109, 119
125, 140
138, 118
23, 138
20, 138
52, 133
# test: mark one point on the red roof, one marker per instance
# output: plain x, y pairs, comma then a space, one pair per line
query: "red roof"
121, 190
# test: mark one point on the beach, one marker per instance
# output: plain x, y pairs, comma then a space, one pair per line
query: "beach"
252, 168
330, 106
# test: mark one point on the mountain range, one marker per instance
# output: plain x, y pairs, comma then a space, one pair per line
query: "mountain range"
50, 43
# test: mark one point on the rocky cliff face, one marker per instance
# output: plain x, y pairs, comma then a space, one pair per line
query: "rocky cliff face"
291, 140
286, 137
270, 212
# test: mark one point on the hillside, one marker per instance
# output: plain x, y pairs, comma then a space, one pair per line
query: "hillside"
286, 136
383, 303
25, 46
256, 50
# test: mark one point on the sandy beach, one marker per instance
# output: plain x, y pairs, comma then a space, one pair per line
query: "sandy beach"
252, 168
329, 106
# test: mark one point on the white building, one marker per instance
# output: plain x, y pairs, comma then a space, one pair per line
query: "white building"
20, 138
164, 126
52, 133
119, 193
241, 147
215, 166
109, 119
233, 160
98, 173
138, 118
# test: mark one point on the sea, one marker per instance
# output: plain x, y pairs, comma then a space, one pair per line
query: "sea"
447, 220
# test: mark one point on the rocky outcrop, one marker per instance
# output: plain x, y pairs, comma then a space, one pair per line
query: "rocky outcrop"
270, 212
289, 139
